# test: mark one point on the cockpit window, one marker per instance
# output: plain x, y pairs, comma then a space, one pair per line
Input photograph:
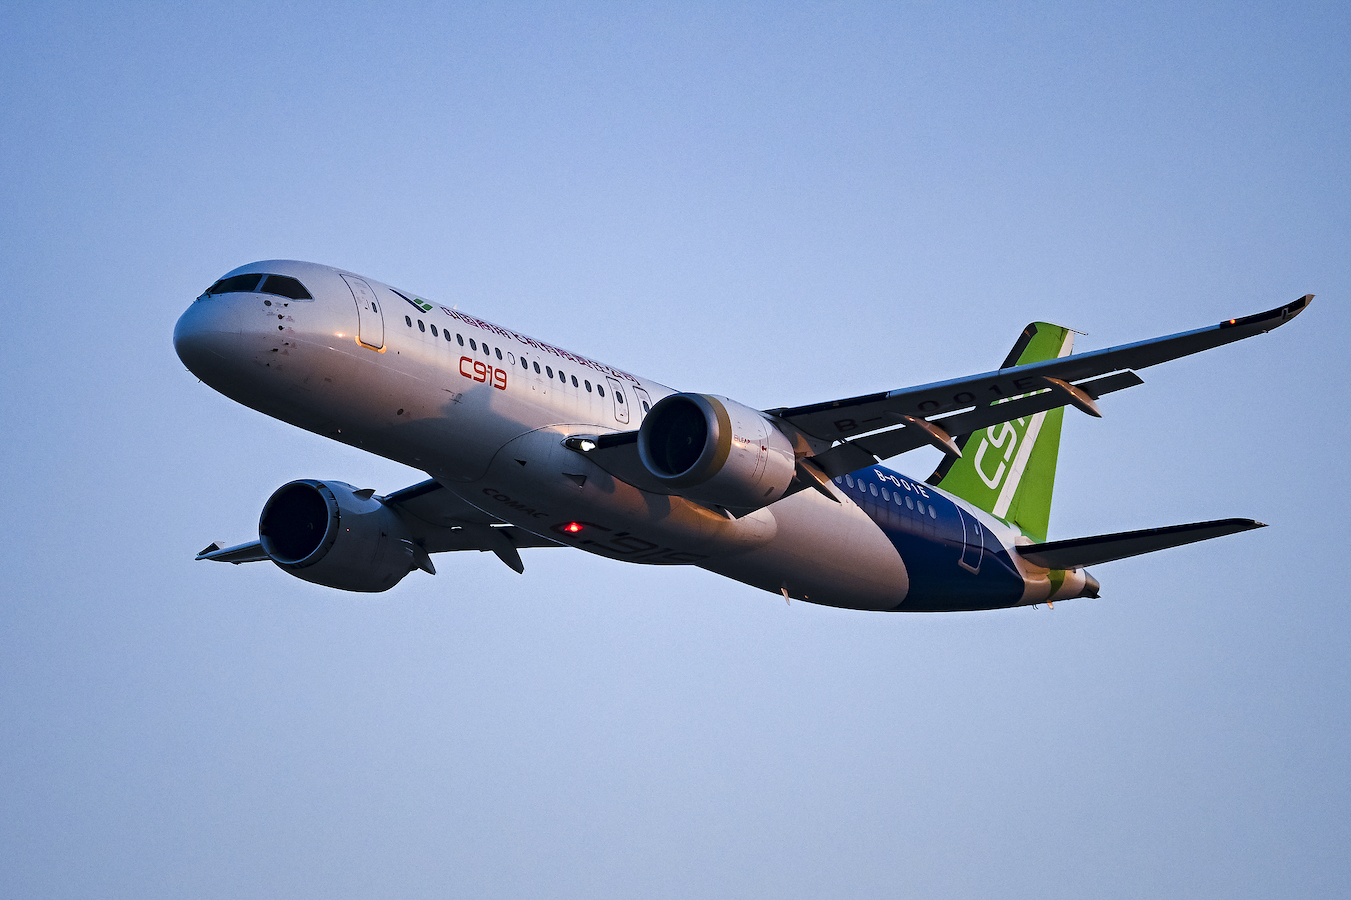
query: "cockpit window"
285, 286
278, 285
239, 283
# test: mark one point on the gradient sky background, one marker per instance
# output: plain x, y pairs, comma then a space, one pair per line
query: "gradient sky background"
782, 205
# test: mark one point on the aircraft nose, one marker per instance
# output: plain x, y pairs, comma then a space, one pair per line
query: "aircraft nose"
206, 337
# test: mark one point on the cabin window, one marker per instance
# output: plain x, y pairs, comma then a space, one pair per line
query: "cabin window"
460, 339
525, 365
588, 386
646, 409
574, 381
849, 479
446, 334
919, 505
498, 351
536, 368
409, 320
420, 326
600, 390
910, 502
550, 371
472, 345
932, 513
486, 350
561, 377
873, 489
434, 334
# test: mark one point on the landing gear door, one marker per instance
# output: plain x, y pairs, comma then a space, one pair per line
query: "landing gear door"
370, 321
973, 542
621, 402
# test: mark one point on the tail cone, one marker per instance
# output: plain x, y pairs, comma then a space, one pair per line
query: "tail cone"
1091, 587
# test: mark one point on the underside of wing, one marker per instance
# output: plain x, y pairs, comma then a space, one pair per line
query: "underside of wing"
943, 431
441, 521
846, 435
1064, 378
1090, 551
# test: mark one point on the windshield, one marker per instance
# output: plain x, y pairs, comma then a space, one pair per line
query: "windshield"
277, 285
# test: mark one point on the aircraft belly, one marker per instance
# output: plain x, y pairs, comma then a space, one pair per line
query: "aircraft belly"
824, 552
818, 550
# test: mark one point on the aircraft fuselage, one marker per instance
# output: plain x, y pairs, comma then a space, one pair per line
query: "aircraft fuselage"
486, 410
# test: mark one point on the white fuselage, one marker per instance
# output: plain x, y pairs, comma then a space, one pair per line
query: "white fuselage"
485, 410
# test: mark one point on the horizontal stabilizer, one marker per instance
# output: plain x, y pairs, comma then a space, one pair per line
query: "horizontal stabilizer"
1089, 551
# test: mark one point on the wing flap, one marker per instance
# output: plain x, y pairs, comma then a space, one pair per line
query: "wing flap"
1090, 551
864, 451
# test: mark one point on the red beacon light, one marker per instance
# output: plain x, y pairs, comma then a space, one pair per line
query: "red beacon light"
572, 527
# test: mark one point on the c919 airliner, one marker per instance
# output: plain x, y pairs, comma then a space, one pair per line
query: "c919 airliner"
529, 445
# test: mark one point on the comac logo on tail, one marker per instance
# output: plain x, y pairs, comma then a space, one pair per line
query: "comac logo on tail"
1011, 473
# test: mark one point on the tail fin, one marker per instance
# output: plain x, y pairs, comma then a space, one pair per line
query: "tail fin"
1009, 469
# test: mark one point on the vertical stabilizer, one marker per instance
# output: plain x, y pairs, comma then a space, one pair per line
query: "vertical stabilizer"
1009, 469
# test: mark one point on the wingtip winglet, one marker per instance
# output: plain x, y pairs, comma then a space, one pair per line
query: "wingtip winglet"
1272, 318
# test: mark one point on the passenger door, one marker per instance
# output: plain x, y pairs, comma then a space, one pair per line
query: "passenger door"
370, 321
973, 541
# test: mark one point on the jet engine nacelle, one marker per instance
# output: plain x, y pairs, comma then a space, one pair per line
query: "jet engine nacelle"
329, 533
714, 450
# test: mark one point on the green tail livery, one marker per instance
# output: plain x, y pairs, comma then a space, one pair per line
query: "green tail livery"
1008, 469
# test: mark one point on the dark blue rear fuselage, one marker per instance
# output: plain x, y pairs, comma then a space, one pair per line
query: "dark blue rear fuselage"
953, 561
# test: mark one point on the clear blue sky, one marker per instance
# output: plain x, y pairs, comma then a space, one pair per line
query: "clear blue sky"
781, 204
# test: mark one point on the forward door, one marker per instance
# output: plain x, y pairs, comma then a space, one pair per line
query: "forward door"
370, 321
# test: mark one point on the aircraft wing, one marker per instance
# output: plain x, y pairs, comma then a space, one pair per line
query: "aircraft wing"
841, 419
845, 435
439, 522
